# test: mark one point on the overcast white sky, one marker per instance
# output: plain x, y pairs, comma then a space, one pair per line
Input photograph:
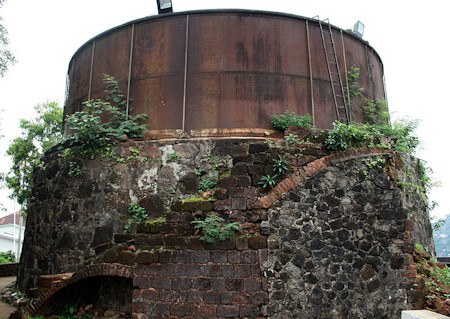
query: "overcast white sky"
410, 37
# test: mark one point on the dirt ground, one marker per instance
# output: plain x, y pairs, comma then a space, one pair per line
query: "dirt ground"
5, 309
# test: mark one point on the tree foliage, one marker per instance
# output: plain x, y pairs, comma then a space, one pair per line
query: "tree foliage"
7, 257
89, 134
38, 135
6, 56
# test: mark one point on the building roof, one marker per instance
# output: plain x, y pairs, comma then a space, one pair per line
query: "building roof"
9, 219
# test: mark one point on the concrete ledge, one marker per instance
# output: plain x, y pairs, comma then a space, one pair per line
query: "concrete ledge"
421, 314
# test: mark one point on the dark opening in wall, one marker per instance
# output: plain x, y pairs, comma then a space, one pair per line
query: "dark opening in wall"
104, 293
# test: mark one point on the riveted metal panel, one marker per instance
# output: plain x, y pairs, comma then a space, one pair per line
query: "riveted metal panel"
78, 80
159, 47
318, 60
325, 113
111, 56
202, 101
248, 99
162, 105
157, 73
377, 75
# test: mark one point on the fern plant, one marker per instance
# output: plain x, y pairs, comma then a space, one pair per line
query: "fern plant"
216, 228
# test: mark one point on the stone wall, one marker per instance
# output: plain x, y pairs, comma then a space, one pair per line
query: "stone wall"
9, 269
331, 240
74, 217
338, 247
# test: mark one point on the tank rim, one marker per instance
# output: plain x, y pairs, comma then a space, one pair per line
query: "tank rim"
213, 11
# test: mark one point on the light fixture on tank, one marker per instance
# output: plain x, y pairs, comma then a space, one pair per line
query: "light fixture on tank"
164, 6
358, 29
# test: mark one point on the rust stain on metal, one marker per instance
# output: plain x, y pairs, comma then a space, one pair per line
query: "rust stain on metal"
222, 73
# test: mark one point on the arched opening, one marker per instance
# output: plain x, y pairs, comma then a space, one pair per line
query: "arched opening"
103, 296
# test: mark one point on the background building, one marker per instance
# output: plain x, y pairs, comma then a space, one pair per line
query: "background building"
11, 233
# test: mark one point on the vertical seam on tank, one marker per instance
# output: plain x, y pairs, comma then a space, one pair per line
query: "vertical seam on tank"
92, 70
369, 72
310, 73
185, 73
129, 70
346, 77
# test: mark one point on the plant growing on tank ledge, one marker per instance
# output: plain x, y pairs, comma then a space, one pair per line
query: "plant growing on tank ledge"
92, 133
283, 121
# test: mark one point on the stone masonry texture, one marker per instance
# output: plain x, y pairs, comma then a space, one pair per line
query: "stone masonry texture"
337, 246
332, 240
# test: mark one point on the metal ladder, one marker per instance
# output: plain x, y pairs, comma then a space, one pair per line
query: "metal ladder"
340, 103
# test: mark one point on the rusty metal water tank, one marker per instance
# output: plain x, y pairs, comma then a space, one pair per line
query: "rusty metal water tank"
221, 72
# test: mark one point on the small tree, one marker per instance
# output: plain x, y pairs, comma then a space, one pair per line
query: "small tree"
6, 56
38, 135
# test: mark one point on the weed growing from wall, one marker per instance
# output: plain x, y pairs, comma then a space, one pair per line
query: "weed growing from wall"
74, 169
174, 156
377, 162
216, 228
138, 214
268, 181
210, 179
207, 182
280, 165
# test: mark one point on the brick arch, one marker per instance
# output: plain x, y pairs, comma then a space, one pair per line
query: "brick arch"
305, 172
91, 271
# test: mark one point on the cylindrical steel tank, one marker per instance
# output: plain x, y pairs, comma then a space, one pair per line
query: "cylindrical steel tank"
221, 72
